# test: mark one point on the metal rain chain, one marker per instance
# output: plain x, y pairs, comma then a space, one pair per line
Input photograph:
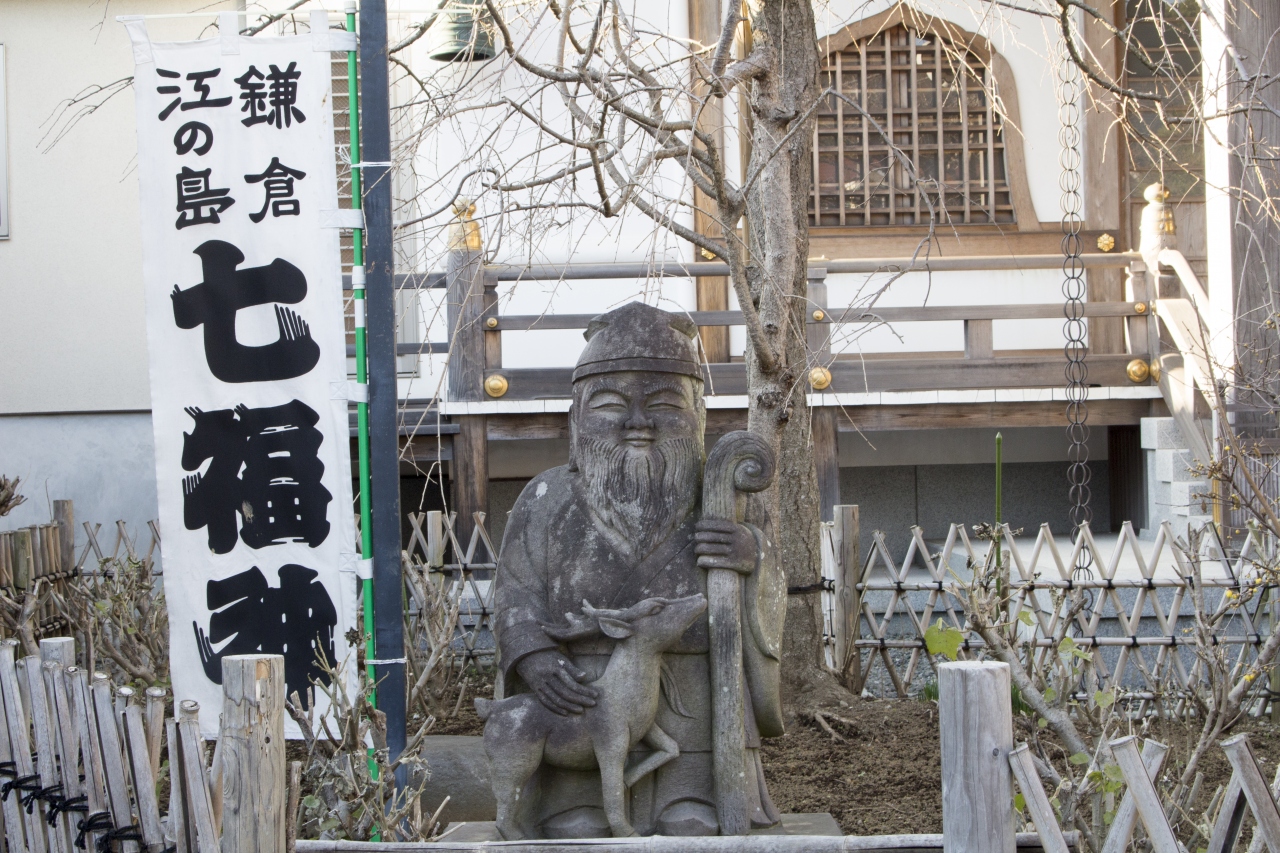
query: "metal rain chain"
1074, 291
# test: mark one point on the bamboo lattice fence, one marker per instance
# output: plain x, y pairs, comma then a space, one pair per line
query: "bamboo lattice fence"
1132, 606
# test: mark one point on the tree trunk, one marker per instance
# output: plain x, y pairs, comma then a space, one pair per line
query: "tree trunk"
778, 237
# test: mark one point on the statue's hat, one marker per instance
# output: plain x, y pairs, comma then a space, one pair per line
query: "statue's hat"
640, 337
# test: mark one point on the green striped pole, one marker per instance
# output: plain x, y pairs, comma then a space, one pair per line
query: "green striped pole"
362, 369
362, 376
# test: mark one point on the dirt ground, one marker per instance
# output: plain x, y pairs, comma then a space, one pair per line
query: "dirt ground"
885, 777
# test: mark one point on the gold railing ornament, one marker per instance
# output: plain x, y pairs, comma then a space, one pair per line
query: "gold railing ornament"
1155, 370
464, 232
820, 378
1106, 242
496, 385
1137, 370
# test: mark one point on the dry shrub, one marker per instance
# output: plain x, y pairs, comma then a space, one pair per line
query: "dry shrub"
9, 497
119, 612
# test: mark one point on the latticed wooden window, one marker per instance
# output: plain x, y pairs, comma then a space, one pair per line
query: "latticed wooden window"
932, 101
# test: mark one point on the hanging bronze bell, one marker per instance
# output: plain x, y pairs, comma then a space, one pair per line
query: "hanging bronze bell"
463, 33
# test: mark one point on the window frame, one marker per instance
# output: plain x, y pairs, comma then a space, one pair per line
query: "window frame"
1004, 100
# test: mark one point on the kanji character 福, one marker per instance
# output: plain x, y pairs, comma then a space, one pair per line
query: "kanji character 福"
277, 179
264, 466
225, 290
199, 203
198, 80
295, 619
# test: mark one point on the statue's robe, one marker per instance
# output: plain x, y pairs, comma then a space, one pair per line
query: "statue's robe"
554, 555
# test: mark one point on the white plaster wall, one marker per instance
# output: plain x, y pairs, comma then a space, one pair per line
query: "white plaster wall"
71, 308
103, 462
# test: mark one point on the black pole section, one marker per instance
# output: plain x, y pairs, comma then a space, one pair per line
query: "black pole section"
380, 302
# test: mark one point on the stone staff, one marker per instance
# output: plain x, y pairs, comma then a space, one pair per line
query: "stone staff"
740, 462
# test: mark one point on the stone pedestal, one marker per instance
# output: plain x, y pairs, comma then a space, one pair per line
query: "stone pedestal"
819, 823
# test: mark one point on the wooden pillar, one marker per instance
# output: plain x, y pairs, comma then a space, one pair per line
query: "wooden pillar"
713, 291
470, 477
252, 746
469, 303
826, 457
975, 719
1102, 173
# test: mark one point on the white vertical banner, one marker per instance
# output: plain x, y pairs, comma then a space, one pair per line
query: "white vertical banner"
241, 268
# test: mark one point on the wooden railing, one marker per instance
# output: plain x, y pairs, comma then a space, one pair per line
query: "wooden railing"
477, 371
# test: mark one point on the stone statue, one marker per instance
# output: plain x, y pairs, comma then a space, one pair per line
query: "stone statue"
524, 733
623, 522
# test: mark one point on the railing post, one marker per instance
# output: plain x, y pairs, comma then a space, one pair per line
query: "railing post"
975, 719
252, 747
467, 350
1143, 332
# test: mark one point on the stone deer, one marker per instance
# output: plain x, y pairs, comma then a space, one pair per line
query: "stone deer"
520, 733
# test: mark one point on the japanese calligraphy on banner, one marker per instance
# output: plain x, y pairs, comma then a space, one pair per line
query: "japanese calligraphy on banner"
241, 267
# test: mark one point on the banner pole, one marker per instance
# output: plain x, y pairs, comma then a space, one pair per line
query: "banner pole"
362, 366
384, 438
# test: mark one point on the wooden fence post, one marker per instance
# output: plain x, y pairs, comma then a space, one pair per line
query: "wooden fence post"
64, 513
252, 744
975, 716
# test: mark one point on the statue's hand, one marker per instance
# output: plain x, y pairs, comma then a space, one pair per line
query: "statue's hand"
556, 682
726, 545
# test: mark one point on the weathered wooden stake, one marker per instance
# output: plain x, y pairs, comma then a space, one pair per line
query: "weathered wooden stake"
155, 727
848, 614
195, 780
64, 513
253, 766
975, 716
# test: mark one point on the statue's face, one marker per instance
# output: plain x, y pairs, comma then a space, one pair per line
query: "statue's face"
637, 410
637, 440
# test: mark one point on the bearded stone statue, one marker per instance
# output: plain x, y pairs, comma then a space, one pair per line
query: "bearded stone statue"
621, 523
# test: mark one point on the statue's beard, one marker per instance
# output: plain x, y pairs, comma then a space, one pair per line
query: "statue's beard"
641, 495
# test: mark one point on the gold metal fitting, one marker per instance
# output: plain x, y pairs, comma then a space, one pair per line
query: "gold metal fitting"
820, 378
496, 385
491, 323
1137, 370
819, 315
708, 254
1106, 242
1155, 370
464, 232
1140, 307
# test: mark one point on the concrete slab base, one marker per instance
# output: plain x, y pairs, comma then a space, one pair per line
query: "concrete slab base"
819, 823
